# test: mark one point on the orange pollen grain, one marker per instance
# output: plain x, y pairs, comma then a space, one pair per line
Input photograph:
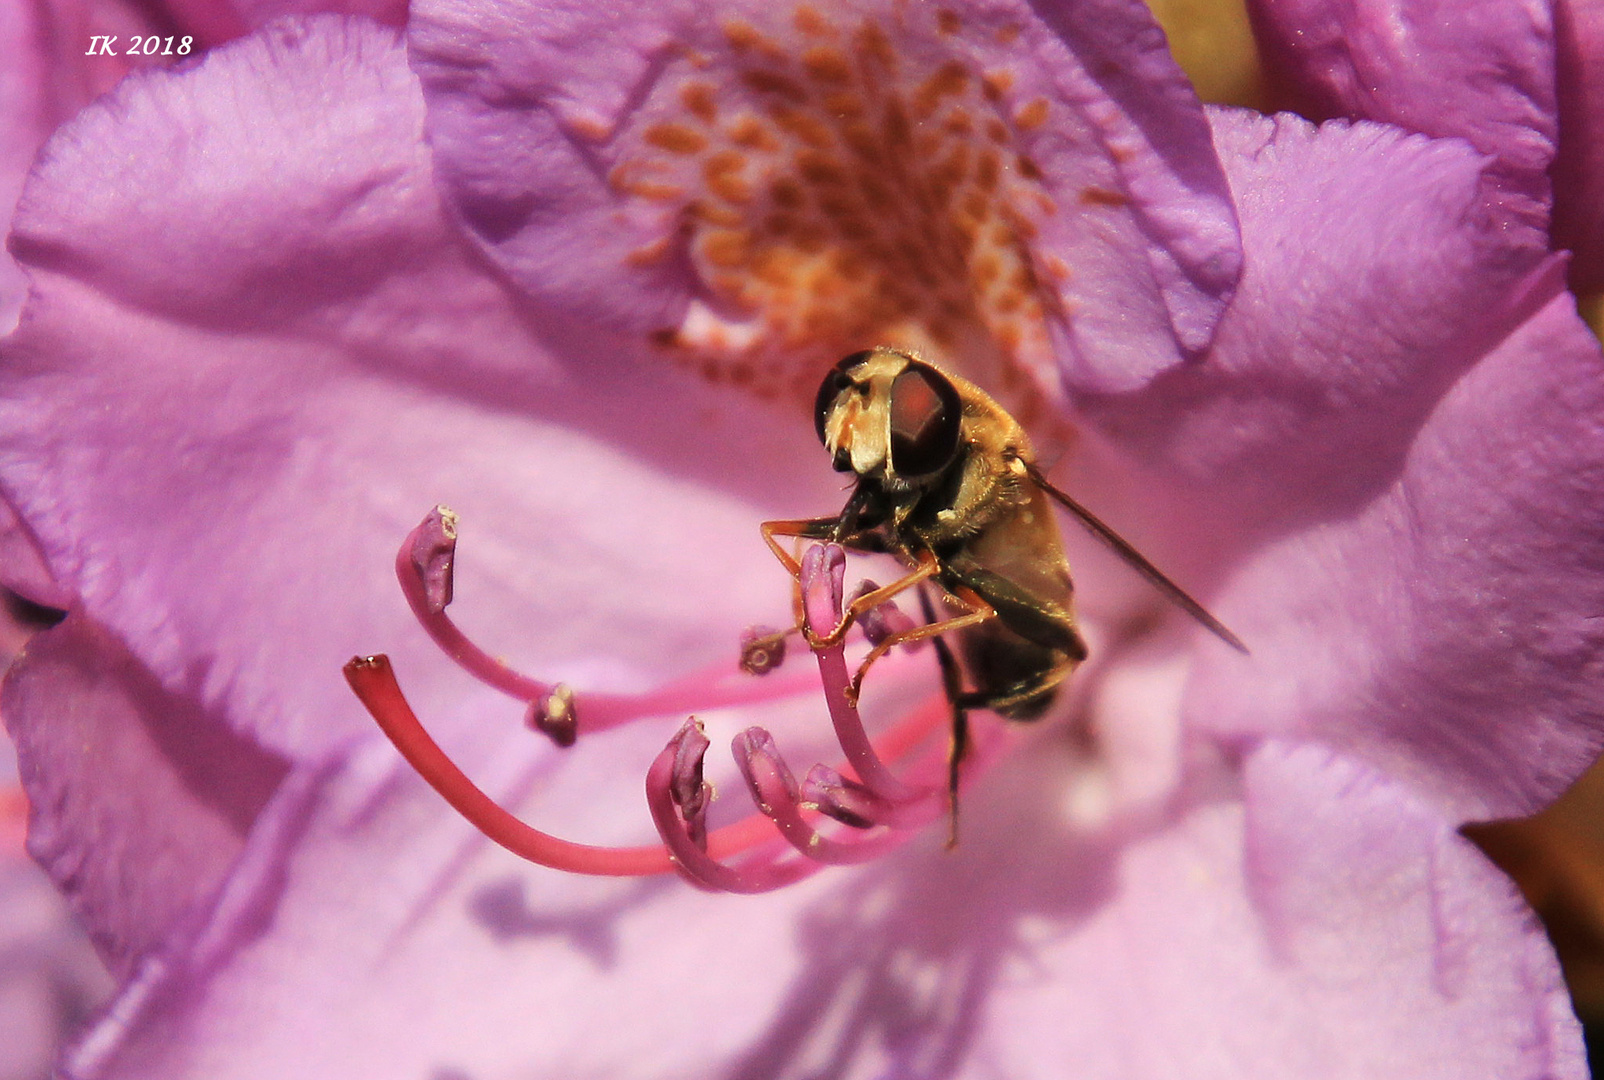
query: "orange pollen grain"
726, 247
721, 173
995, 84
820, 169
804, 125
772, 82
649, 254
715, 215
752, 133
874, 44
1096, 196
948, 22
676, 138
843, 104
1031, 115
591, 128
827, 65
808, 20
741, 36
787, 193
951, 79
699, 99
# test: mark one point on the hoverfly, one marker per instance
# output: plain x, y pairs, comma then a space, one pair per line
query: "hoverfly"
946, 481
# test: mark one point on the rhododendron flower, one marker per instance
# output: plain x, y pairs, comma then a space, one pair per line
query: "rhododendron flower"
577, 270
1522, 82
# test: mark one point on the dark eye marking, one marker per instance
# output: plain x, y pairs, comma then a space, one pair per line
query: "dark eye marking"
926, 416
836, 381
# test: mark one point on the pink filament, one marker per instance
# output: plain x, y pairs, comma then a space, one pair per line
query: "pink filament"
714, 687
787, 815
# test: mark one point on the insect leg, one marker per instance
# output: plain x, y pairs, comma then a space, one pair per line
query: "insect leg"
805, 528
979, 611
958, 746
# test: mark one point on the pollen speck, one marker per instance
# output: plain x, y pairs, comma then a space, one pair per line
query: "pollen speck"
721, 171
676, 138
786, 192
1096, 196
772, 82
874, 44
995, 84
590, 127
843, 104
804, 125
808, 20
1031, 115
827, 65
725, 247
649, 254
820, 169
950, 79
742, 37
829, 189
699, 99
752, 133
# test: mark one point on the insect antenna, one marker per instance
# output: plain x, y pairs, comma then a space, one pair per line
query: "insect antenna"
1122, 547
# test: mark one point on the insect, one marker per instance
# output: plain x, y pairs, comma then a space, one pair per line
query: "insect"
946, 481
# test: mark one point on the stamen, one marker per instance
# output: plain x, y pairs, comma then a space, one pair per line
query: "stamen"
880, 622
690, 792
844, 800
774, 790
762, 649
555, 717
823, 573
678, 796
425, 566
433, 553
665, 782
374, 682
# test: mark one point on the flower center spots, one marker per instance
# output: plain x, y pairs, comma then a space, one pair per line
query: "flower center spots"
832, 192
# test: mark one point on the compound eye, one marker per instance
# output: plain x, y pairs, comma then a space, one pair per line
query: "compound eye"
925, 419
835, 382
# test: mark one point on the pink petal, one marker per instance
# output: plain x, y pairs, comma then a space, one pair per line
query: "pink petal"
1449, 631
37, 91
268, 373
258, 13
1373, 279
1484, 73
140, 801
561, 132
1333, 926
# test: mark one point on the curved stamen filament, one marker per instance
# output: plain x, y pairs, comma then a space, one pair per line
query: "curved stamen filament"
666, 799
774, 790
424, 566
876, 802
821, 579
374, 682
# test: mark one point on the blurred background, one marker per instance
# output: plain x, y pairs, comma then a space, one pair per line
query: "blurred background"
52, 984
